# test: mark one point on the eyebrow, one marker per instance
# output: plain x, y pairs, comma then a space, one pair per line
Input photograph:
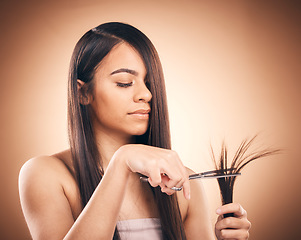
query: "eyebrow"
125, 70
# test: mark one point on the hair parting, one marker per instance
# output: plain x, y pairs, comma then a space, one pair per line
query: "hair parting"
240, 160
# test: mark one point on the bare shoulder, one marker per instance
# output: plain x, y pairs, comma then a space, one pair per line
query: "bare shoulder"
48, 194
39, 176
44, 167
197, 190
183, 202
189, 171
195, 211
44, 173
196, 185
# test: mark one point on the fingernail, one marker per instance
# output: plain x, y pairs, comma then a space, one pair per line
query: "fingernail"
218, 211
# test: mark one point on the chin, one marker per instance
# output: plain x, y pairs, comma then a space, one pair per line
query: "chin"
139, 132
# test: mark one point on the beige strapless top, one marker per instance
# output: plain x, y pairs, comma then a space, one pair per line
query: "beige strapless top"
137, 229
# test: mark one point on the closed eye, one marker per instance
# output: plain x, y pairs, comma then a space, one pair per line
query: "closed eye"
124, 85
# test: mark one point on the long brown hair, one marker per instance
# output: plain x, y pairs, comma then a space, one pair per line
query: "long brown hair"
88, 53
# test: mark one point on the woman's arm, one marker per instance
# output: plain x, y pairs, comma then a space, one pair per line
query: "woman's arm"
47, 209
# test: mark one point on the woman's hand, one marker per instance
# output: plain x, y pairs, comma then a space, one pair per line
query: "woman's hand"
163, 167
236, 227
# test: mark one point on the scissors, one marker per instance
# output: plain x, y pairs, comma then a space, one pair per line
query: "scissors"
208, 174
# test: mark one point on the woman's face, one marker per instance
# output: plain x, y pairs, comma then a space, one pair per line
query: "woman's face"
120, 102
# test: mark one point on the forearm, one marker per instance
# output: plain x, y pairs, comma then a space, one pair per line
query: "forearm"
98, 218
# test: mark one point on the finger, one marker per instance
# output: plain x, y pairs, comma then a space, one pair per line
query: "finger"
182, 168
241, 213
234, 234
167, 190
171, 174
186, 188
173, 167
220, 217
154, 178
170, 186
181, 183
170, 183
233, 223
232, 208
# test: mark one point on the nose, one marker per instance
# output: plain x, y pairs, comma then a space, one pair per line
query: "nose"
142, 93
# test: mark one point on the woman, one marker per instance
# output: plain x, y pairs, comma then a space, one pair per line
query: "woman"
118, 131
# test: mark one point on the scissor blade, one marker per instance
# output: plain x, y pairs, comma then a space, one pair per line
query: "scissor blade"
196, 176
200, 175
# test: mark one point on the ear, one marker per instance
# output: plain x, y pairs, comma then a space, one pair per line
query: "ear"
84, 97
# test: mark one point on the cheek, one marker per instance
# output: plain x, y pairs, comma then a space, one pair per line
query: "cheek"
108, 105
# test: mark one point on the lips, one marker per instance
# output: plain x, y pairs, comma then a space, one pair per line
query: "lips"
141, 114
141, 111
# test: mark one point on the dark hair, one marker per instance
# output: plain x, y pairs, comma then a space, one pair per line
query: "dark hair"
88, 53
241, 158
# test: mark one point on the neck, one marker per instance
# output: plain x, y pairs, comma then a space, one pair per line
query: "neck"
108, 143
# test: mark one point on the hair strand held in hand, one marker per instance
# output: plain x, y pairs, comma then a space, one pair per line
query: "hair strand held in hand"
240, 160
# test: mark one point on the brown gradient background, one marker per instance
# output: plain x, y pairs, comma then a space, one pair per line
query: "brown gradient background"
232, 69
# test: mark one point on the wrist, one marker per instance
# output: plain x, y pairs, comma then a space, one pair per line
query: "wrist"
119, 162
